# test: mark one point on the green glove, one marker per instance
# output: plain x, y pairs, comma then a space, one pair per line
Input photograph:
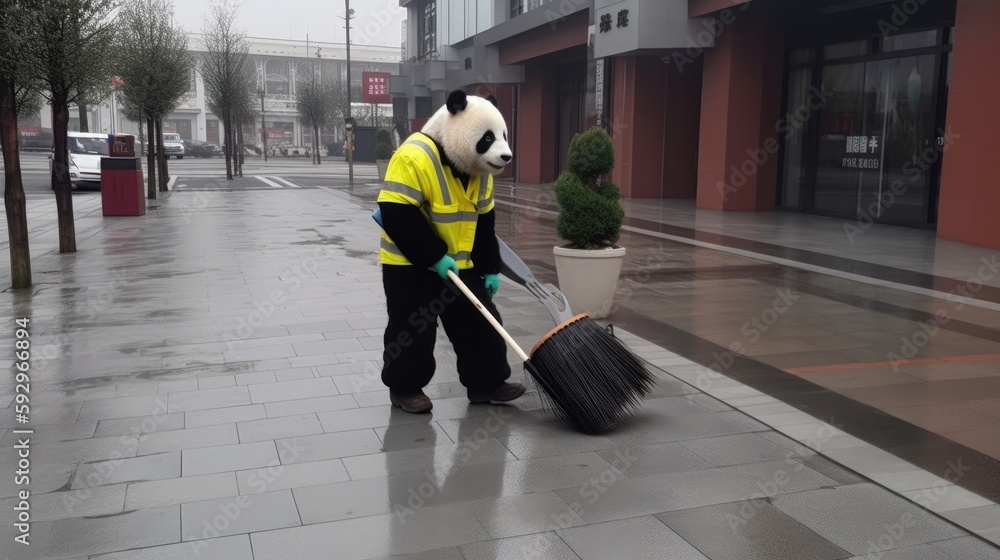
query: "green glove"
492, 284
444, 265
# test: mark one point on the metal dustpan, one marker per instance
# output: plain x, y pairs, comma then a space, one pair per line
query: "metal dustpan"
548, 295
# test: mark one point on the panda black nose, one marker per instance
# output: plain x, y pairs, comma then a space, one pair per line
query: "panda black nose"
506, 157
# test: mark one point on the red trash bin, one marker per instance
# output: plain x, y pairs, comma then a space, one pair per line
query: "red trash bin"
121, 178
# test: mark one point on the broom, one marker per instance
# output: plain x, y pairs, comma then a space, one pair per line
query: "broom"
588, 375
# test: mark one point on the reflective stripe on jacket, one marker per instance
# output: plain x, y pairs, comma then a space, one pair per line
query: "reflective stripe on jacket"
416, 176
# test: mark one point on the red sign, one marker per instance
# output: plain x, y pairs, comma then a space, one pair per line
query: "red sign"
375, 87
117, 81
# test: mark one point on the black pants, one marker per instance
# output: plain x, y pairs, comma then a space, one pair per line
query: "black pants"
415, 299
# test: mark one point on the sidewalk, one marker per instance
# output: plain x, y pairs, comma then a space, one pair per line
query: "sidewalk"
205, 385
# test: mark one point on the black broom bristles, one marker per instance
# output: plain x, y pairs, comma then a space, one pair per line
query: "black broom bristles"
590, 377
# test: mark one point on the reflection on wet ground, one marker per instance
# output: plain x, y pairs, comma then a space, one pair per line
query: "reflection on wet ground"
206, 384
917, 375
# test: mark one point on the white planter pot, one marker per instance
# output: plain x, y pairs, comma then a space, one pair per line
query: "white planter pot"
383, 167
588, 278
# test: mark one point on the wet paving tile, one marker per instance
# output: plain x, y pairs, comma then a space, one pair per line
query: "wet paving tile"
142, 495
246, 513
228, 458
835, 514
150, 467
754, 530
226, 548
641, 537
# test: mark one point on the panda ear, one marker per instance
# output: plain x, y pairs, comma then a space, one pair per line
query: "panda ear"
492, 100
457, 102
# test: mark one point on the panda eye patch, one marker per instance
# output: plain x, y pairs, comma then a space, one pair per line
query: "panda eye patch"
485, 142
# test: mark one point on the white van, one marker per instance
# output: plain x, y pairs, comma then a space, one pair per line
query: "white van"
173, 146
85, 152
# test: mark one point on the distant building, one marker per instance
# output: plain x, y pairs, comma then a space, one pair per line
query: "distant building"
280, 65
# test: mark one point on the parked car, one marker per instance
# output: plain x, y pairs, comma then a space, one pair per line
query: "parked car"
85, 152
173, 146
196, 148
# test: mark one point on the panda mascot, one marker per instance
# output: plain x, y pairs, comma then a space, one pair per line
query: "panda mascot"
437, 215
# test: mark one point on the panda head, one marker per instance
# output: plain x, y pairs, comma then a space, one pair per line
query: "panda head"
472, 133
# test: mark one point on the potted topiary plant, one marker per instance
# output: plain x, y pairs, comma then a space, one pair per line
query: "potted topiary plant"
383, 152
590, 220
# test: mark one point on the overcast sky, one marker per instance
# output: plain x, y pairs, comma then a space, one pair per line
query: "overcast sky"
377, 22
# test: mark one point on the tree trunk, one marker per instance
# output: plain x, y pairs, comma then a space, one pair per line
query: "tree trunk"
162, 159
316, 143
150, 160
84, 125
226, 132
60, 176
243, 150
13, 194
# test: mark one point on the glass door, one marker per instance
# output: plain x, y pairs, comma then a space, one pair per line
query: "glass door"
895, 171
875, 156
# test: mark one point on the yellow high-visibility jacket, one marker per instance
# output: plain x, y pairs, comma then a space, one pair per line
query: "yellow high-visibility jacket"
416, 176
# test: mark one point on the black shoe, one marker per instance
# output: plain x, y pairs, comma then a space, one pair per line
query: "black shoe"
503, 393
415, 403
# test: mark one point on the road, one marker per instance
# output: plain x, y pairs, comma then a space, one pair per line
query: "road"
210, 173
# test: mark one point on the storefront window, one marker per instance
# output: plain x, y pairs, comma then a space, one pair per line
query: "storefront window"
277, 74
876, 139
910, 41
846, 50
800, 108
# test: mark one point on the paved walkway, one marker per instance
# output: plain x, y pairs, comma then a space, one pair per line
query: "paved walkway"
205, 385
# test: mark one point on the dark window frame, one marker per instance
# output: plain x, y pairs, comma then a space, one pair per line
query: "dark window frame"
426, 29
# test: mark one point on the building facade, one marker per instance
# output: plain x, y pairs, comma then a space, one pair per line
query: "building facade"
872, 111
280, 65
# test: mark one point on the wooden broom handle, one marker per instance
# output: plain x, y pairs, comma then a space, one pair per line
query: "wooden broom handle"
486, 313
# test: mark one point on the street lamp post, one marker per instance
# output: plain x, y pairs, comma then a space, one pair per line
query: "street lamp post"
263, 127
348, 15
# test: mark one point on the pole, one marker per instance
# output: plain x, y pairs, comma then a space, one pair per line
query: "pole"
350, 145
263, 127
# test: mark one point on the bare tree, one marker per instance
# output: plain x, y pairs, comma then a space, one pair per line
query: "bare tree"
18, 94
314, 101
224, 69
69, 42
154, 63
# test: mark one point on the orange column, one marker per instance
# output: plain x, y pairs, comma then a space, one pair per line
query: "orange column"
970, 199
538, 110
638, 109
738, 145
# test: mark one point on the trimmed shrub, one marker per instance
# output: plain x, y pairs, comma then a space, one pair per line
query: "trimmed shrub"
590, 210
383, 144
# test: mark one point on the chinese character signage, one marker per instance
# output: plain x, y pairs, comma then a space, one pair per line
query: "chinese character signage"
861, 146
605, 25
375, 87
